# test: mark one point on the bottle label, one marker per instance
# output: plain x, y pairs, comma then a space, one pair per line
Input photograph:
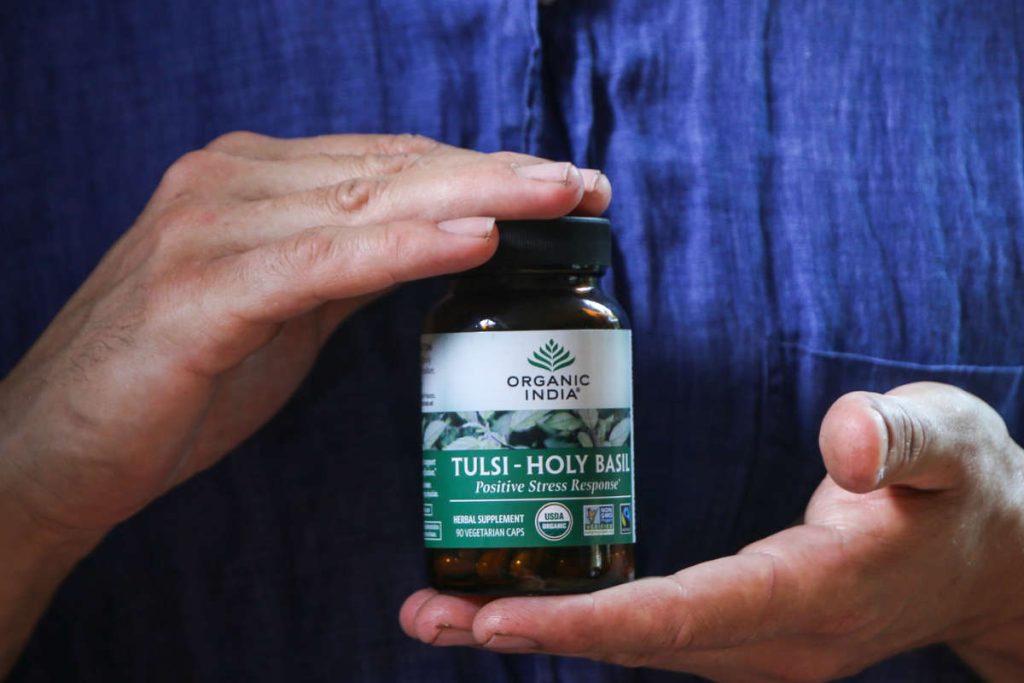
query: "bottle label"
527, 439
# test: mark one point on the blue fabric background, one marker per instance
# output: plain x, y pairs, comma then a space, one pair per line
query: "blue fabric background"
811, 197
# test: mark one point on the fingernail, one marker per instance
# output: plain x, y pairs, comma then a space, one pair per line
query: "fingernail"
883, 443
500, 642
473, 227
448, 636
591, 177
551, 172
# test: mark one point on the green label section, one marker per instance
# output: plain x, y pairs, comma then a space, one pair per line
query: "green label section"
509, 498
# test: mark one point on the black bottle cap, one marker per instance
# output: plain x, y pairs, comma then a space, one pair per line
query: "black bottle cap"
569, 241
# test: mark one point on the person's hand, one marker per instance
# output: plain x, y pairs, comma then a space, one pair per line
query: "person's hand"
915, 537
201, 321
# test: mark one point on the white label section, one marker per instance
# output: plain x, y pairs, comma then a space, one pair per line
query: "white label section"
527, 370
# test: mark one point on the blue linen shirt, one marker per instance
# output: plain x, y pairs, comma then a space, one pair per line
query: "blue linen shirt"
810, 197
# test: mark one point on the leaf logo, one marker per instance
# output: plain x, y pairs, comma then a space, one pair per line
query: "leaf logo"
551, 357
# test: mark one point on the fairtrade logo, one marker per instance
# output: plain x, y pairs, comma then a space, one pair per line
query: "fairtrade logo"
625, 517
551, 357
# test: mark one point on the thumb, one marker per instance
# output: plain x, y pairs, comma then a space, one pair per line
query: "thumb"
925, 435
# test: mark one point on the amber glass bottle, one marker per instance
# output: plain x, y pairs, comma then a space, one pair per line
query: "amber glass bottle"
527, 419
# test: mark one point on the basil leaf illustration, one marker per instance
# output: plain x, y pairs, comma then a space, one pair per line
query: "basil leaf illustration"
471, 443
503, 425
589, 417
562, 422
523, 420
620, 433
432, 432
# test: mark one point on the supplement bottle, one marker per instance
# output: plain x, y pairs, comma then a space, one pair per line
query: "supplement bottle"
527, 419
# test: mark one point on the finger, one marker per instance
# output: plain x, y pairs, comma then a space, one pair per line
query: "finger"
257, 146
481, 188
255, 179
412, 604
438, 619
263, 147
753, 596
216, 175
597, 193
926, 436
597, 186
231, 307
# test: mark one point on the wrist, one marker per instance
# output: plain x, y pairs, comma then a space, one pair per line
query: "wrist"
25, 523
35, 557
32, 541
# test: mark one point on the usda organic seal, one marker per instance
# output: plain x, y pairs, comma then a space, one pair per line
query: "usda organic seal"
554, 521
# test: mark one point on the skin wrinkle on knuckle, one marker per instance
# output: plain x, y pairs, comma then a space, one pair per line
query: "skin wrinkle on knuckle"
383, 247
906, 436
683, 631
344, 255
351, 197
390, 164
581, 642
370, 165
394, 246
406, 143
918, 439
304, 253
770, 564
648, 640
